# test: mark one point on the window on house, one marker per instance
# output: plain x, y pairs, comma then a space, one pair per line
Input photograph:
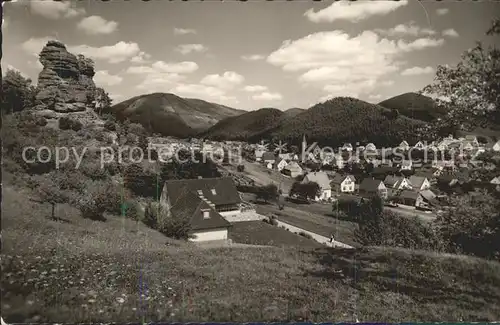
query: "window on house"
214, 192
200, 192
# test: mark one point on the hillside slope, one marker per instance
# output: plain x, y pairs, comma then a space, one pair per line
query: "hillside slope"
82, 270
345, 119
172, 115
245, 126
415, 106
292, 112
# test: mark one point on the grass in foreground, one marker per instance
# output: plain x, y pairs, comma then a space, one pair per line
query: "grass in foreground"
80, 270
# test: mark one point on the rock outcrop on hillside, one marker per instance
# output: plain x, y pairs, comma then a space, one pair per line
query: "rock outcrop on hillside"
65, 83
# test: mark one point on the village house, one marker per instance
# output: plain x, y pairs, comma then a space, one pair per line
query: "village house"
496, 146
339, 162
321, 178
419, 183
372, 187
472, 139
343, 183
293, 169
422, 199
285, 156
268, 159
370, 147
206, 202
419, 146
258, 153
397, 182
282, 163
347, 147
495, 182
404, 146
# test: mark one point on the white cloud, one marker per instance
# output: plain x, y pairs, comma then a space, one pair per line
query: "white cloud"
162, 76
353, 11
117, 53
450, 32
267, 96
416, 71
35, 64
56, 9
33, 46
420, 44
160, 82
375, 97
177, 67
188, 48
183, 31
164, 67
198, 91
94, 25
116, 98
406, 29
385, 83
255, 88
104, 78
253, 57
141, 58
349, 66
442, 11
227, 80
142, 69
351, 89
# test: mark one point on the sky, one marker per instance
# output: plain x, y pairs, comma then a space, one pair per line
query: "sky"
254, 54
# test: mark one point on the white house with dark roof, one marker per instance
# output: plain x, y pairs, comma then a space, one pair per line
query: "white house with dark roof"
371, 147
282, 163
397, 182
321, 178
496, 146
404, 145
343, 183
347, 147
419, 183
205, 202
293, 169
419, 146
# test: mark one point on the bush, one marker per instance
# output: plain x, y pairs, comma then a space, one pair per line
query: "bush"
94, 171
111, 197
65, 123
306, 235
174, 226
240, 168
100, 198
91, 208
141, 182
133, 211
110, 125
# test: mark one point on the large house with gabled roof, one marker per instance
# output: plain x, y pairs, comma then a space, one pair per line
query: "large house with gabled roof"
205, 202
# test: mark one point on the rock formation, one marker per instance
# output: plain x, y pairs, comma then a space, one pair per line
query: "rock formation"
65, 84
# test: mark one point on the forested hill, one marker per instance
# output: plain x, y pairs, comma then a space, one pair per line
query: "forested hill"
415, 106
339, 120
